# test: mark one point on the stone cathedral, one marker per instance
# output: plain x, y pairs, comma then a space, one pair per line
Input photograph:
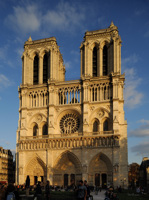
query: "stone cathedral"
72, 130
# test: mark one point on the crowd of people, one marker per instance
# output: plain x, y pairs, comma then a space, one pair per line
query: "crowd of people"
82, 191
11, 192
8, 192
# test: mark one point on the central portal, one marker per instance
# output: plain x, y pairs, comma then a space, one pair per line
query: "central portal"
99, 169
67, 170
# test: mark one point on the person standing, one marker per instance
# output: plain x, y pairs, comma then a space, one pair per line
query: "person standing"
38, 191
47, 191
82, 191
88, 189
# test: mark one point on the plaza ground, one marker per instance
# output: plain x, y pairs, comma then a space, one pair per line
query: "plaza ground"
100, 195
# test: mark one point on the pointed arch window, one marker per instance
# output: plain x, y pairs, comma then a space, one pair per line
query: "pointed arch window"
45, 68
35, 130
95, 62
36, 70
95, 126
105, 60
105, 125
45, 129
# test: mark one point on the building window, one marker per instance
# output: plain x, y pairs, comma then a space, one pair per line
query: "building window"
95, 62
95, 126
105, 60
45, 68
35, 130
36, 70
105, 125
69, 123
45, 130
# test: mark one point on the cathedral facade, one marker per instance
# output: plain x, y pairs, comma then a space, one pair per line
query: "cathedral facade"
72, 130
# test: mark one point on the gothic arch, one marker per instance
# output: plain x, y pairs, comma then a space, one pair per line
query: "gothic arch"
96, 159
67, 167
106, 125
44, 128
35, 168
37, 118
100, 113
61, 165
94, 44
100, 170
44, 51
95, 125
105, 42
34, 53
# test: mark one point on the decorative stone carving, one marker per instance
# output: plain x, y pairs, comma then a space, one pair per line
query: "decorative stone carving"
51, 125
101, 113
84, 168
85, 122
92, 108
39, 118
30, 113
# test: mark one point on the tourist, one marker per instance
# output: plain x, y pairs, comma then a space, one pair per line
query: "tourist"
81, 191
2, 191
10, 192
88, 189
47, 191
38, 191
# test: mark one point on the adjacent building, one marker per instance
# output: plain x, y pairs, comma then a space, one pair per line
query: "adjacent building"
72, 130
6, 166
144, 173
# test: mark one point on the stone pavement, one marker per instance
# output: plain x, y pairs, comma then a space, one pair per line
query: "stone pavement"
99, 196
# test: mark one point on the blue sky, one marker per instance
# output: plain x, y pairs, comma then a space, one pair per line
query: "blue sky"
68, 20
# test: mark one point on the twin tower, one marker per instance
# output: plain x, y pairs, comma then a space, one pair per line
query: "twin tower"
72, 130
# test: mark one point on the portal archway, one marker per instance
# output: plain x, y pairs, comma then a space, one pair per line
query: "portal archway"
100, 170
36, 170
67, 169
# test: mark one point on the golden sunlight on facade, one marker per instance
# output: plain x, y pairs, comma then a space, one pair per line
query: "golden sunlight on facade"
72, 130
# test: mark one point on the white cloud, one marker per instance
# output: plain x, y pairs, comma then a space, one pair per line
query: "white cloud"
64, 17
30, 18
3, 52
25, 19
142, 130
4, 81
19, 51
141, 149
131, 60
144, 121
132, 95
67, 65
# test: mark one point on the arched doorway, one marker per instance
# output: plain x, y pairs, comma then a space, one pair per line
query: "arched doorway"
100, 171
36, 170
67, 170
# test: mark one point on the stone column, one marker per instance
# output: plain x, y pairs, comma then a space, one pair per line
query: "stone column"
100, 61
40, 69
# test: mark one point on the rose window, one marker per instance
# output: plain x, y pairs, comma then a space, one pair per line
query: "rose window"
69, 123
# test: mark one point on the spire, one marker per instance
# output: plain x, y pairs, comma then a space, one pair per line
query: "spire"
112, 24
29, 39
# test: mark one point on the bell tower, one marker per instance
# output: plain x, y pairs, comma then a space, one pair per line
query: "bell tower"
42, 62
101, 53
